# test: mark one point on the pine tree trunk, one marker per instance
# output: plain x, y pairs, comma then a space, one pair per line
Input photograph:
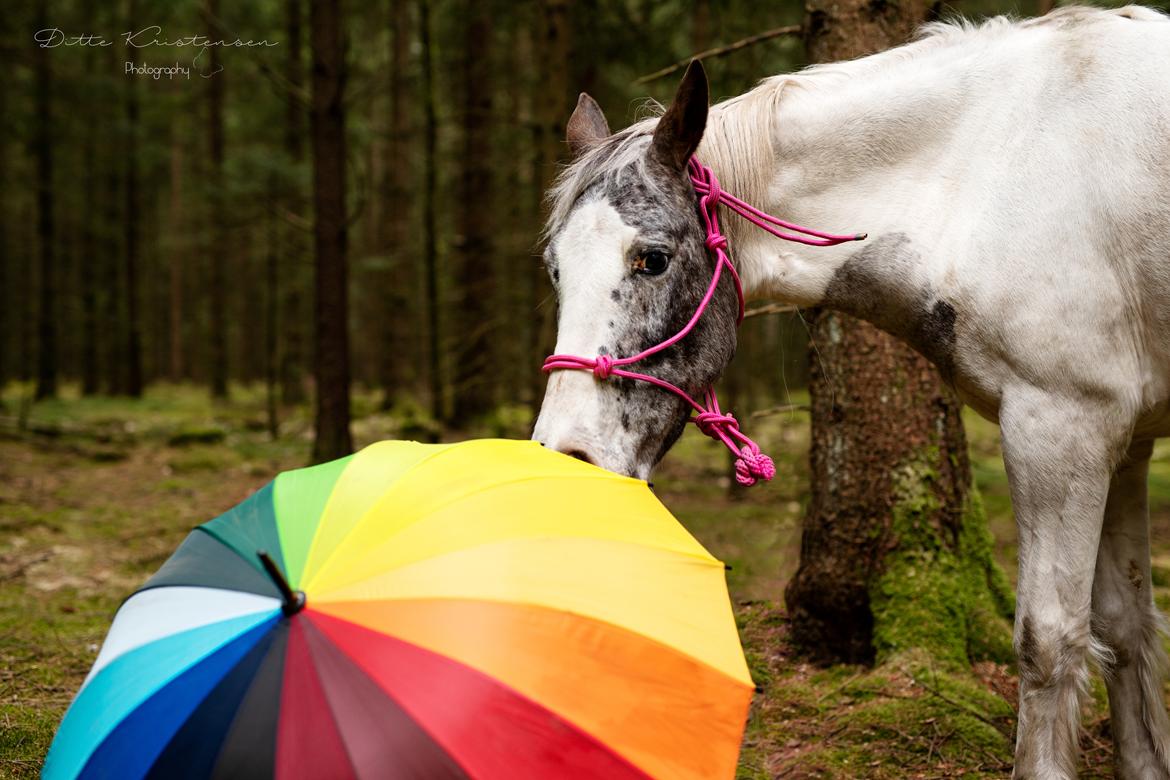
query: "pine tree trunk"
430, 237
895, 552
271, 307
217, 349
7, 275
327, 127
132, 220
395, 238
43, 145
90, 249
552, 112
110, 303
175, 247
292, 346
472, 394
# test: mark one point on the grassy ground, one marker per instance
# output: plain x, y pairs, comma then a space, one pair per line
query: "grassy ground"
100, 491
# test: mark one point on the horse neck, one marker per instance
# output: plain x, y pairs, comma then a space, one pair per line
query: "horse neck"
848, 148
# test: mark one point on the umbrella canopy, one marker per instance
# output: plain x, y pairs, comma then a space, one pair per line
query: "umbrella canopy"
485, 609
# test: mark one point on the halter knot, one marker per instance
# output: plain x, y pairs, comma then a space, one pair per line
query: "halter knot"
716, 241
714, 191
602, 366
711, 423
753, 465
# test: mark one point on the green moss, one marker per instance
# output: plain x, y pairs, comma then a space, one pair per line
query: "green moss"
892, 721
950, 600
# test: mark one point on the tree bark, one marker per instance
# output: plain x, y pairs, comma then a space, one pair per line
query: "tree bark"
175, 246
552, 112
43, 145
90, 248
271, 307
133, 383
472, 391
895, 552
111, 304
292, 348
217, 337
7, 272
430, 237
327, 127
394, 227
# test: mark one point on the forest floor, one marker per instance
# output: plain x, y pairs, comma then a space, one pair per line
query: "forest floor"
96, 493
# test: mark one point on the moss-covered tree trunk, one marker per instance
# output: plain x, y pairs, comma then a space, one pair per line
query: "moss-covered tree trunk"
895, 551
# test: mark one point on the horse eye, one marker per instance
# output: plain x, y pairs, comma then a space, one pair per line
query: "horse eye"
652, 262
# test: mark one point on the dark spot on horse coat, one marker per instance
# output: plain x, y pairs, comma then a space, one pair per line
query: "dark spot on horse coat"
936, 336
1135, 575
876, 284
625, 421
1027, 648
616, 294
1121, 657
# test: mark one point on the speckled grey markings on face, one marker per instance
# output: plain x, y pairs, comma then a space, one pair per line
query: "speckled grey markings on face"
659, 202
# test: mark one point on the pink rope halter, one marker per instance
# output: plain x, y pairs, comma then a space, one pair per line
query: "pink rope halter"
751, 464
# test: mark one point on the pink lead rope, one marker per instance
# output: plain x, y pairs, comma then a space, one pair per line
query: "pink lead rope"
751, 464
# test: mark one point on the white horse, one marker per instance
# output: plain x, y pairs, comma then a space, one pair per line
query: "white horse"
1014, 179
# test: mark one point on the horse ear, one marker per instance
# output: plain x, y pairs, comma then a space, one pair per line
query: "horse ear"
681, 128
587, 126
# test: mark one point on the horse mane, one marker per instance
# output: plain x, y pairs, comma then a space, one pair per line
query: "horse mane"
739, 128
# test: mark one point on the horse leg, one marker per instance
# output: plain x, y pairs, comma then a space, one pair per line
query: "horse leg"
1126, 621
1059, 466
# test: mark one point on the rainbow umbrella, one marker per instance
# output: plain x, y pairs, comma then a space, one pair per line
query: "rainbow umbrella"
488, 609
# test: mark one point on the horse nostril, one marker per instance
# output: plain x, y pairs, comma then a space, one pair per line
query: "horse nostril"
581, 455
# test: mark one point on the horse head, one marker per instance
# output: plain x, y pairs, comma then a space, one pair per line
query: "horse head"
628, 258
